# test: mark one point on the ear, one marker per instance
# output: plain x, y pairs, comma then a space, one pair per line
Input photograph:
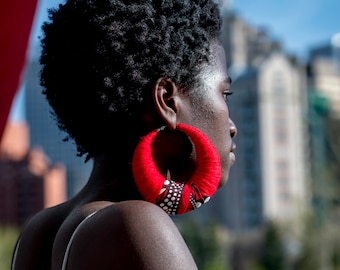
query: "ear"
165, 97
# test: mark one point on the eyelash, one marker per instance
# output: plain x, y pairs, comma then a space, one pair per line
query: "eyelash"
226, 94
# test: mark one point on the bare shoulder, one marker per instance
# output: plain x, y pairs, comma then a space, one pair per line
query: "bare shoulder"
40, 230
129, 235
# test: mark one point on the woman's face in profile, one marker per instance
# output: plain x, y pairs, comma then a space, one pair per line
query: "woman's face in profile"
207, 109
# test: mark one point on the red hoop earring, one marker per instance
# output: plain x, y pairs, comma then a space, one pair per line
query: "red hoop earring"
172, 196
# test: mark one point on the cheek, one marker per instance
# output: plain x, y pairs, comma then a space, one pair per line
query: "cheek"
222, 132
218, 132
223, 142
213, 120
215, 124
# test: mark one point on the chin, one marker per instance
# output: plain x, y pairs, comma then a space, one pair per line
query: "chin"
224, 178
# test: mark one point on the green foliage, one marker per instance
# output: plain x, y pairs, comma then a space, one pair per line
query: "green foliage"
254, 265
308, 259
206, 244
320, 245
273, 252
336, 257
8, 238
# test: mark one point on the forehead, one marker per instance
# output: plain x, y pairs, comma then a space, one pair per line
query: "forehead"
215, 72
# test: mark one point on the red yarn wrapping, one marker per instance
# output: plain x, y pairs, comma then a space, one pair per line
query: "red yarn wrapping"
202, 184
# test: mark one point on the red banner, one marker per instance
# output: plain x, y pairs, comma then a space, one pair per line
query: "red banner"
16, 18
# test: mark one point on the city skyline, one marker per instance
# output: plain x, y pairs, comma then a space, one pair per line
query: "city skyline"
298, 25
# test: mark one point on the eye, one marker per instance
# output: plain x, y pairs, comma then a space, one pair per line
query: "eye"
226, 94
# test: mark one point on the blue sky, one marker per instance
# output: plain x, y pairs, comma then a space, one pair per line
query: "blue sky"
297, 24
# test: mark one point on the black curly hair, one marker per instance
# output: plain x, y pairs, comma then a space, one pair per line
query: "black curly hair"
100, 57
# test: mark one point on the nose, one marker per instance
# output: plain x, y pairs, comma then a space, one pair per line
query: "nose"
232, 128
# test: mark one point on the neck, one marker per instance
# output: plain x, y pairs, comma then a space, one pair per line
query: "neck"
110, 180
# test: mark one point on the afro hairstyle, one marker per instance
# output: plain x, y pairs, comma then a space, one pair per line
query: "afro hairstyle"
100, 59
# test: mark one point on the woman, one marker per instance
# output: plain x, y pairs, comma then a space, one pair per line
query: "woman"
141, 87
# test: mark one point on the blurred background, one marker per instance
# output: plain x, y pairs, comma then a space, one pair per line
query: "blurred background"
281, 206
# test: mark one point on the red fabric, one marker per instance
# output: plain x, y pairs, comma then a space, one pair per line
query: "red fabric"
203, 183
16, 18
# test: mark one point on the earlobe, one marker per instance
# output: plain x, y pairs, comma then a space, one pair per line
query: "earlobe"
165, 97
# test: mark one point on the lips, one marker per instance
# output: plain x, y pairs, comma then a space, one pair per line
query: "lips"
233, 147
232, 157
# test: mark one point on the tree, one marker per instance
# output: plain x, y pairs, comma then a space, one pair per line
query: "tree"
206, 244
8, 238
273, 249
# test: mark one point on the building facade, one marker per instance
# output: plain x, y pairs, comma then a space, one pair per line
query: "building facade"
28, 181
282, 110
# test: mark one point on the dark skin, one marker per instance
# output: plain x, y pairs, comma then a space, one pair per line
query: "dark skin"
126, 232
